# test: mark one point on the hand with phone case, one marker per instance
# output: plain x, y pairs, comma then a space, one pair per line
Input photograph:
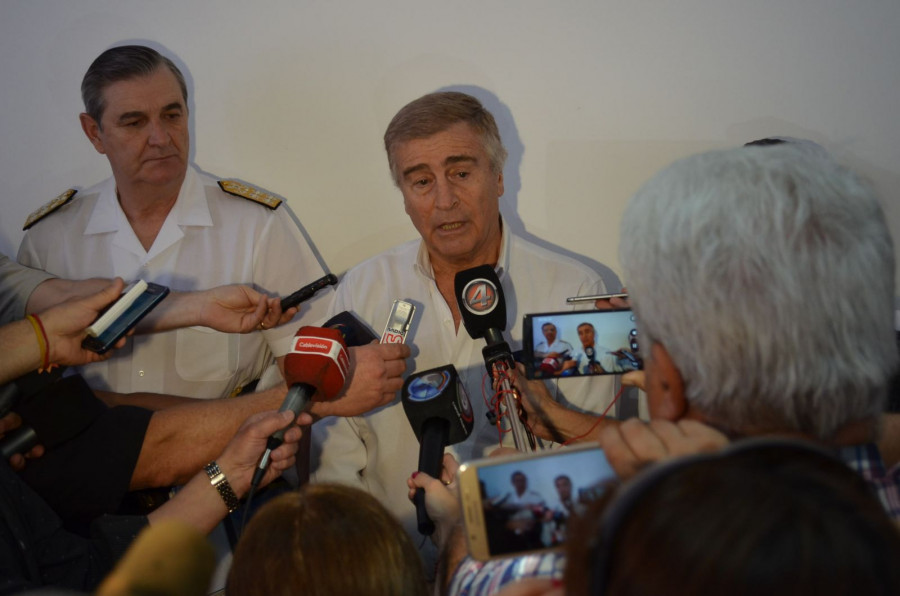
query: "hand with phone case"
64, 329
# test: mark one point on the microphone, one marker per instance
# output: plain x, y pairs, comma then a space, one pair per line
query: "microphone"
307, 291
317, 362
483, 309
440, 414
355, 332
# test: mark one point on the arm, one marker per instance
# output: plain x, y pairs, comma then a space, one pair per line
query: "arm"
230, 309
63, 326
199, 503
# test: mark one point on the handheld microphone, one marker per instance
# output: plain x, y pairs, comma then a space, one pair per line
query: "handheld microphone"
440, 414
307, 291
483, 309
317, 362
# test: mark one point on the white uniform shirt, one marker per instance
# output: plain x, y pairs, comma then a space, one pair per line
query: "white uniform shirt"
209, 238
378, 451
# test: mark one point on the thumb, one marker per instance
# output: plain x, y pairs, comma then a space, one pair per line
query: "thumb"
106, 295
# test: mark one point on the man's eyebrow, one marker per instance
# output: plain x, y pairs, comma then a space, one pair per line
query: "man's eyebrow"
460, 158
414, 168
175, 105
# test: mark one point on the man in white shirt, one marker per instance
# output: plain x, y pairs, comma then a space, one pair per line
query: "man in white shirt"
446, 157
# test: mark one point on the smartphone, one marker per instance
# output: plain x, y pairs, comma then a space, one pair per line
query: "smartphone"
595, 297
523, 503
577, 343
123, 315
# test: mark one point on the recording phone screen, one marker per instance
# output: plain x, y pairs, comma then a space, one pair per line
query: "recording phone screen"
580, 343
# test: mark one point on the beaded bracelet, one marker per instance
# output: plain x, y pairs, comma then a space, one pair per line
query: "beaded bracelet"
42, 341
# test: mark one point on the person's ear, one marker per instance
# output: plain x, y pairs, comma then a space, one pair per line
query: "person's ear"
665, 386
91, 129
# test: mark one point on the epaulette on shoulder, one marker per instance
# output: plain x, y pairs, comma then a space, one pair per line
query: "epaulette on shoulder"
245, 191
49, 208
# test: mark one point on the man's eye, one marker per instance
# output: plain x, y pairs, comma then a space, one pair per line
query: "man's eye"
420, 182
462, 175
173, 116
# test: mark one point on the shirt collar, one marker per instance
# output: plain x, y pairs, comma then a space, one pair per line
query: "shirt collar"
190, 208
423, 260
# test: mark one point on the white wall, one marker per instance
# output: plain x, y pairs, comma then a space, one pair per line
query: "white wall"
592, 96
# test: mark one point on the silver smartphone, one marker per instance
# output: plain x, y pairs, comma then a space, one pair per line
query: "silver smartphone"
595, 297
525, 502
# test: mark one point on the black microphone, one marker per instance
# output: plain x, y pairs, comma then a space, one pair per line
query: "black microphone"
307, 291
483, 309
355, 332
440, 414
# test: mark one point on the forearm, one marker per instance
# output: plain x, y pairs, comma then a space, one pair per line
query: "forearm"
177, 310
148, 401
197, 503
56, 291
183, 438
23, 353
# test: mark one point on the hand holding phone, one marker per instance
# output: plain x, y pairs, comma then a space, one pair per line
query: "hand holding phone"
523, 503
123, 315
579, 343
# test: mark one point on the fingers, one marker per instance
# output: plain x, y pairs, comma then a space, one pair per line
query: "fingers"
10, 421
635, 378
450, 468
106, 295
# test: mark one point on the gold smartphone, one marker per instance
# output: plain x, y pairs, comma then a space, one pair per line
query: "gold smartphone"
522, 503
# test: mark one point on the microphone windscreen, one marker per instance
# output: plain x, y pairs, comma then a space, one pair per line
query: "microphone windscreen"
438, 394
481, 301
169, 558
318, 357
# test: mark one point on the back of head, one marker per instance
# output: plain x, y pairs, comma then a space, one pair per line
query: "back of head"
120, 64
324, 540
436, 112
759, 521
768, 275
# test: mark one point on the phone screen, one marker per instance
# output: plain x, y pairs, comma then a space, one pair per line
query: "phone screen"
524, 503
580, 343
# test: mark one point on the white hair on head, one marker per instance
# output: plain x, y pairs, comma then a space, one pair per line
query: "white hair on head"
768, 275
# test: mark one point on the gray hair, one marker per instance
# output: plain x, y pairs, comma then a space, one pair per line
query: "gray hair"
436, 112
120, 64
768, 275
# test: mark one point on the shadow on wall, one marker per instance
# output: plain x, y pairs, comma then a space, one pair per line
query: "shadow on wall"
512, 180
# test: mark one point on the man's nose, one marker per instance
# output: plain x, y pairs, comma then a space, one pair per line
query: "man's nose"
158, 133
445, 195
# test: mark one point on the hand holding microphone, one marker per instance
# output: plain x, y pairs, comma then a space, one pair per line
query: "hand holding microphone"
440, 414
315, 369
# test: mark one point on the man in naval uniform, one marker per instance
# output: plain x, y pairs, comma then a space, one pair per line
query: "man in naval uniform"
161, 220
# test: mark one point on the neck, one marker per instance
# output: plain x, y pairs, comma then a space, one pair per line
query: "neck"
146, 209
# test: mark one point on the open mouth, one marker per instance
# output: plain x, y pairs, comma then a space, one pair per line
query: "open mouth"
450, 227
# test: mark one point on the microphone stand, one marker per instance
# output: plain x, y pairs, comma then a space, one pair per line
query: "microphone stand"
499, 362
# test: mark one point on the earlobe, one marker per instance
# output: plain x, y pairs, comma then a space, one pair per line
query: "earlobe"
665, 390
92, 130
500, 185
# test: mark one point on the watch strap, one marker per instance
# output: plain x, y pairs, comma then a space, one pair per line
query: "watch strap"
221, 484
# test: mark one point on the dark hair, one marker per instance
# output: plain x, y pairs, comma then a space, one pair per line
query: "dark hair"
436, 112
300, 543
120, 64
758, 519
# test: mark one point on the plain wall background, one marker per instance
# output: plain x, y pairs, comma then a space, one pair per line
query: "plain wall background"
592, 98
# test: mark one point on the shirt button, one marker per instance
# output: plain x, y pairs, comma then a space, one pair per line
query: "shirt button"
141, 373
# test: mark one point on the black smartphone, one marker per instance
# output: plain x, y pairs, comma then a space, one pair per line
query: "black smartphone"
576, 343
523, 503
123, 315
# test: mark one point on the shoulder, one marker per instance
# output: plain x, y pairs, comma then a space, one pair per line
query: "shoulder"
524, 252
400, 256
50, 207
250, 193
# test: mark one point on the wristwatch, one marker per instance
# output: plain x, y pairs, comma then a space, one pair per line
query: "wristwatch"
218, 480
